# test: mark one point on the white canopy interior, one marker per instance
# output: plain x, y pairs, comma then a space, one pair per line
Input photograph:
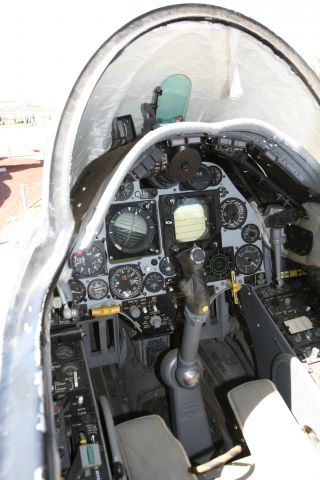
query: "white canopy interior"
233, 75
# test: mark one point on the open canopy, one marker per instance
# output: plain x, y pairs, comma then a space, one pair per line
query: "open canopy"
232, 73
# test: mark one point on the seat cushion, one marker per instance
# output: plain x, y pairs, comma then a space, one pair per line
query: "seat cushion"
277, 444
151, 452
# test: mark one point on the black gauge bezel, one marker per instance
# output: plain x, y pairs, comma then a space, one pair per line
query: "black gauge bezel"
239, 222
64, 346
211, 202
237, 256
86, 273
251, 226
214, 168
148, 278
226, 253
191, 183
149, 245
121, 196
89, 287
115, 292
83, 289
168, 261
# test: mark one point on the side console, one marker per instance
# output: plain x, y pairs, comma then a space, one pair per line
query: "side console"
282, 320
79, 439
295, 309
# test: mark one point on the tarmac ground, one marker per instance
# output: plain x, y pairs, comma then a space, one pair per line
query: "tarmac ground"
20, 216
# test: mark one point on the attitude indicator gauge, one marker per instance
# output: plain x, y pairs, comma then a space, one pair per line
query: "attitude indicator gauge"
233, 213
126, 281
131, 230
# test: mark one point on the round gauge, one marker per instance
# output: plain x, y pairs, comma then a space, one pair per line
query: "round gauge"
78, 290
216, 175
200, 180
125, 191
154, 282
64, 352
126, 281
233, 213
248, 259
69, 368
131, 229
250, 233
87, 262
220, 264
167, 267
184, 164
97, 289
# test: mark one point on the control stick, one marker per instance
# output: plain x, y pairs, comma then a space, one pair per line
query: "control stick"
196, 313
276, 222
180, 368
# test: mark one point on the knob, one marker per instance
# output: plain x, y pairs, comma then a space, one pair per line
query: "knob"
155, 321
197, 255
275, 302
134, 311
308, 335
308, 308
298, 338
287, 301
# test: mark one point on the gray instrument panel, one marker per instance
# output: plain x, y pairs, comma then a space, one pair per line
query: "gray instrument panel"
240, 246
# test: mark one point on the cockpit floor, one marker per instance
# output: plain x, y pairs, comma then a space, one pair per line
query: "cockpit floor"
133, 390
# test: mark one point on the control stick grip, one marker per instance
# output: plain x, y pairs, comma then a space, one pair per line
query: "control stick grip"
194, 285
195, 290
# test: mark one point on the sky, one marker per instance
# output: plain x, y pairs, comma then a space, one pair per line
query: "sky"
46, 43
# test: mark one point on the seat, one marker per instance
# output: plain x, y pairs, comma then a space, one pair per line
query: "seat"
151, 452
278, 446
298, 389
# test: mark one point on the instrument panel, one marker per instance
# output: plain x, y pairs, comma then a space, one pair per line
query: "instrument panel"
133, 257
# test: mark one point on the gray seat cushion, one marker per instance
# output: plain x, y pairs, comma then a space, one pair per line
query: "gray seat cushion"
151, 452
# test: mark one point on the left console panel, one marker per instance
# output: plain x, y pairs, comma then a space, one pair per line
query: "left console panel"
78, 430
